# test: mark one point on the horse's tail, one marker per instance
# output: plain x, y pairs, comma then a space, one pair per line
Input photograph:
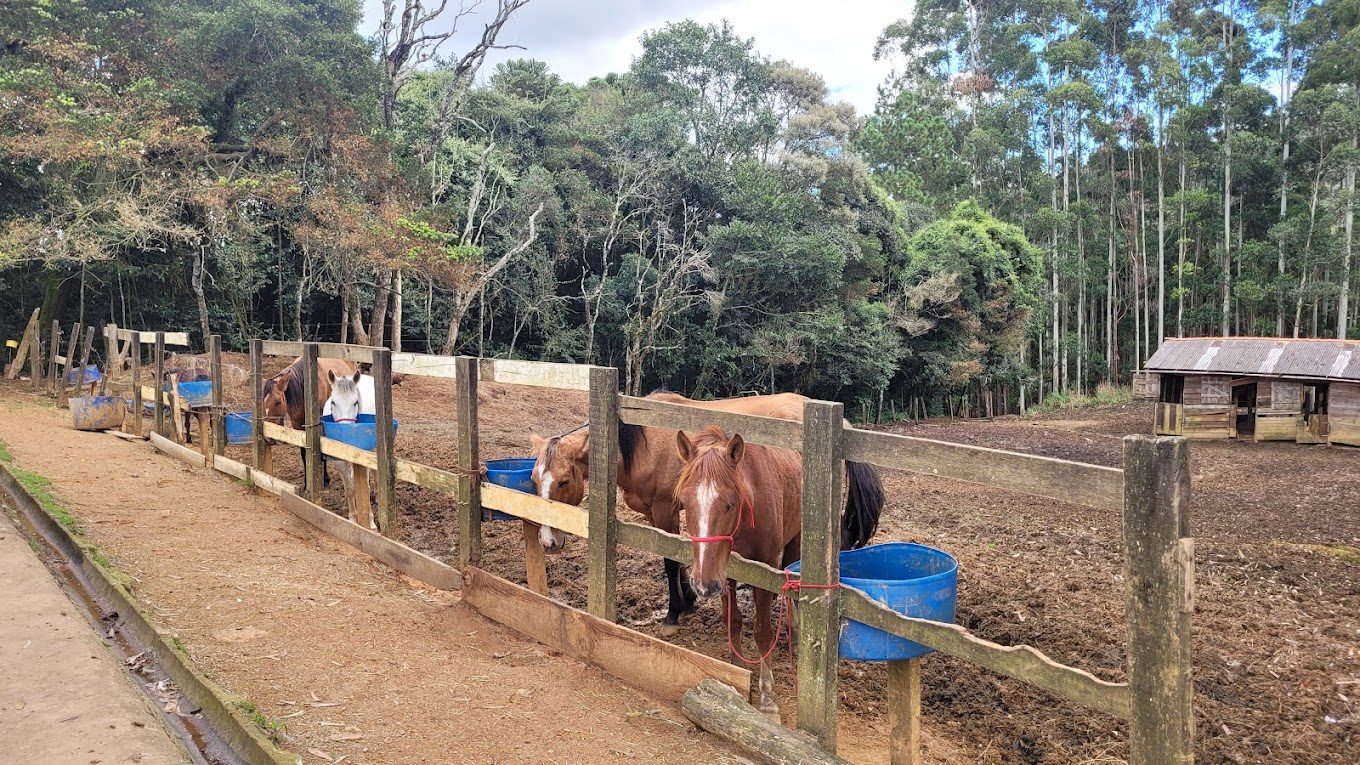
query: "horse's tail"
863, 505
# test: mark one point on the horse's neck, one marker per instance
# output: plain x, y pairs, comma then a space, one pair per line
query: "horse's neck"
656, 467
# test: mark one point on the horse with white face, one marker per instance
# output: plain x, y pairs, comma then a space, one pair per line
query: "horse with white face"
351, 396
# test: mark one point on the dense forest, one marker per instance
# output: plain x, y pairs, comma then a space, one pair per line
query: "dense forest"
1044, 190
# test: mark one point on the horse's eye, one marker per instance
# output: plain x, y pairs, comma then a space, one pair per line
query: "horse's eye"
562, 484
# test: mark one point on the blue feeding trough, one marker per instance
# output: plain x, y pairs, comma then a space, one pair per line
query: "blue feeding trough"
514, 473
913, 580
238, 428
91, 375
195, 394
362, 434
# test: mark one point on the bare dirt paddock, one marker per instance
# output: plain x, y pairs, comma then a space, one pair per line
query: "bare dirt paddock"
1277, 622
1277, 636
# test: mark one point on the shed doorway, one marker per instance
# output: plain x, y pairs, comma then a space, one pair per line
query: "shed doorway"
1313, 423
1244, 410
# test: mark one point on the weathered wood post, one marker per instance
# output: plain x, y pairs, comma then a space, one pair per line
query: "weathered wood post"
469, 464
386, 446
135, 349
257, 439
604, 528
314, 467
54, 350
110, 347
70, 362
217, 416
159, 385
904, 712
1159, 582
819, 614
35, 358
84, 360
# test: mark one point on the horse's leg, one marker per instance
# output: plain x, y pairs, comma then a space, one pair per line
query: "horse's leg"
302, 456
765, 639
732, 619
347, 479
675, 599
363, 511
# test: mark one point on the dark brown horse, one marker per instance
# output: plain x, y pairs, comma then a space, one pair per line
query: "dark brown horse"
648, 468
745, 498
283, 398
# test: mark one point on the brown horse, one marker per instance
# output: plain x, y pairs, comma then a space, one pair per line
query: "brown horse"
283, 398
647, 471
747, 499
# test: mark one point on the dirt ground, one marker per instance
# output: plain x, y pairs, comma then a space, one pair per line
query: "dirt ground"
1277, 625
355, 661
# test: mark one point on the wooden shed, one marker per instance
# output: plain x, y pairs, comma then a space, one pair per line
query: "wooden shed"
1262, 388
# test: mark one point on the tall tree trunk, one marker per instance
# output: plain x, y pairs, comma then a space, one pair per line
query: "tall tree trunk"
1180, 257
378, 320
1161, 227
1343, 304
396, 312
1226, 314
195, 281
356, 314
1286, 83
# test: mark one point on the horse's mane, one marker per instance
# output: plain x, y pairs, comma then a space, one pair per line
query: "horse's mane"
630, 438
710, 465
292, 394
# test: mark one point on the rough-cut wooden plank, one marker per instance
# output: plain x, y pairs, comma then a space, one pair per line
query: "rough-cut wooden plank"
425, 365
53, 348
542, 374
769, 431
126, 436
269, 483
218, 440
385, 453
395, 554
1342, 431
84, 362
356, 353
546, 512
283, 434
679, 549
819, 623
66, 368
138, 401
1021, 662
604, 535
904, 712
469, 459
25, 344
343, 451
1159, 581
231, 467
314, 466
177, 451
535, 562
1276, 427
428, 477
1075, 482
177, 339
646, 662
259, 446
36, 366
158, 385
722, 711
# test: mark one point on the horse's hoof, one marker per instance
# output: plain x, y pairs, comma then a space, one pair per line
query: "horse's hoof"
669, 630
771, 710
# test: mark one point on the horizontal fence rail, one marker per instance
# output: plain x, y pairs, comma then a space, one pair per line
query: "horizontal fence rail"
768, 431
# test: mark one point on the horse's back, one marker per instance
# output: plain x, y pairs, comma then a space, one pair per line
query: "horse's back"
785, 406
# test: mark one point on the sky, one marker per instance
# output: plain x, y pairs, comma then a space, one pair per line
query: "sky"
580, 39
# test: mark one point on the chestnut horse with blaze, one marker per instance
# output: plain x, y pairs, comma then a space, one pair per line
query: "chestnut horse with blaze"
648, 468
283, 398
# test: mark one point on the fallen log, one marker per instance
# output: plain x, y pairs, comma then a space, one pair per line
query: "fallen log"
720, 710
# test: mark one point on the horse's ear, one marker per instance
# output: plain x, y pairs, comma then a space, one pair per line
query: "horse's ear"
537, 442
736, 449
357, 374
684, 445
330, 375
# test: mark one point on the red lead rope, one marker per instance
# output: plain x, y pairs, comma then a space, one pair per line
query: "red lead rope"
791, 584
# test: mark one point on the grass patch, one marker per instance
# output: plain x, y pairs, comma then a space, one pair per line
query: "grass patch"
5, 456
272, 727
41, 490
1105, 394
178, 644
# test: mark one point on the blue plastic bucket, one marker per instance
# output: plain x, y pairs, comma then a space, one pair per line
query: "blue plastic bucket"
362, 434
513, 473
91, 375
911, 579
238, 428
195, 394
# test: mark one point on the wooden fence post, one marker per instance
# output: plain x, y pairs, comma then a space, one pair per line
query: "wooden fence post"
217, 416
1159, 583
386, 451
110, 347
70, 363
84, 360
257, 439
904, 712
54, 350
36, 367
314, 466
604, 454
159, 384
469, 463
819, 614
135, 349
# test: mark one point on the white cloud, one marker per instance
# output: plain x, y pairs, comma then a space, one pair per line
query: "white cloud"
580, 39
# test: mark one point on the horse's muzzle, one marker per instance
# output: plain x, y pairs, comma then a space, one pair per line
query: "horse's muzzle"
706, 589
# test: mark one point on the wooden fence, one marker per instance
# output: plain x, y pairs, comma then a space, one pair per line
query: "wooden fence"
1152, 491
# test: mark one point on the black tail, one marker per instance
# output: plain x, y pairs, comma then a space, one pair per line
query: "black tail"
863, 505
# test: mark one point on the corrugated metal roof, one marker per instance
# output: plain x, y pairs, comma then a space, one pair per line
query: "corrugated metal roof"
1259, 356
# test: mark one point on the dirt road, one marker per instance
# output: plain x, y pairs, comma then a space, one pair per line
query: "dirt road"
340, 655
63, 697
